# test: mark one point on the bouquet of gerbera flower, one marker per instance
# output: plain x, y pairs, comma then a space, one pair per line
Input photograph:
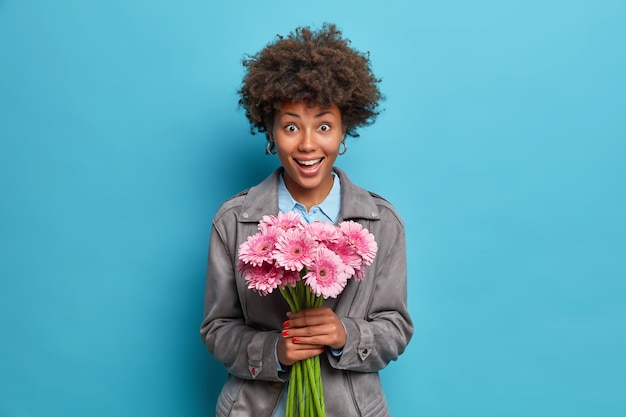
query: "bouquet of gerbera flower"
307, 263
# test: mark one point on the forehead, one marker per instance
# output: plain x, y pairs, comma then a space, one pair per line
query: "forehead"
303, 109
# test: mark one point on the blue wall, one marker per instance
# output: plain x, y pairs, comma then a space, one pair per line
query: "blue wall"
502, 144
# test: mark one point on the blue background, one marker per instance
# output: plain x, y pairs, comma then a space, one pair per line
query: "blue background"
502, 145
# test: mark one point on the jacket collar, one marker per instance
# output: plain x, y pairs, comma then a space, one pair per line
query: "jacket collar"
262, 199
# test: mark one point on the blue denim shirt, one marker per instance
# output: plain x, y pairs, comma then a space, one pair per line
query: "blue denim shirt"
326, 211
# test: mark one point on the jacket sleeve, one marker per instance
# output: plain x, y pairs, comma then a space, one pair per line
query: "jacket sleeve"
246, 352
385, 329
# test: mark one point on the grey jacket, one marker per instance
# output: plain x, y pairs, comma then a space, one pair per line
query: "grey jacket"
241, 328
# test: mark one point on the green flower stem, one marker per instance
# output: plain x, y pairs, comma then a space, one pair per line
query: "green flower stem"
305, 396
315, 384
307, 390
288, 297
291, 395
301, 393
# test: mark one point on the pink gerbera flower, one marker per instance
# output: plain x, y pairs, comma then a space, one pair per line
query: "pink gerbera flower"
242, 267
294, 249
359, 274
263, 278
323, 232
361, 239
258, 248
283, 221
347, 253
290, 278
327, 275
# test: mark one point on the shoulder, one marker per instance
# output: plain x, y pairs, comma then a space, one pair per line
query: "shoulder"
386, 209
233, 202
230, 208
252, 204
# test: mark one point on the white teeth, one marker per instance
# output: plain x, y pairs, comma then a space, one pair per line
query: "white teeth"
313, 162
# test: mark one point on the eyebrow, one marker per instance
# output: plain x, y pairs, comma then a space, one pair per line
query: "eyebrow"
325, 112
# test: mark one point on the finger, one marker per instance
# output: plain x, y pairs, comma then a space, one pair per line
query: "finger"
311, 317
295, 344
329, 334
289, 352
299, 344
301, 354
331, 328
325, 329
316, 340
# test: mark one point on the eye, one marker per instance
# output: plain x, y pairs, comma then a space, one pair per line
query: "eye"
291, 128
324, 127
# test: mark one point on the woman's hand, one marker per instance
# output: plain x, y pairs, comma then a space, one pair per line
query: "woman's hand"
305, 334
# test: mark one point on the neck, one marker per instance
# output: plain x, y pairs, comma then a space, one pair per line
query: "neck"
309, 197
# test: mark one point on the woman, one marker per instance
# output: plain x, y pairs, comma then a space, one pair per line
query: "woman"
306, 92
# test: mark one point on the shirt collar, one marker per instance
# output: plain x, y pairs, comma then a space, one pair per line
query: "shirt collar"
327, 210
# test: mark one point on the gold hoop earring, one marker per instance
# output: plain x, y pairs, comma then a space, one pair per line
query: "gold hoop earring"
345, 147
270, 148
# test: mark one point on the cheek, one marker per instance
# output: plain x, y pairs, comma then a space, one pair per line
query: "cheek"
283, 155
282, 146
334, 147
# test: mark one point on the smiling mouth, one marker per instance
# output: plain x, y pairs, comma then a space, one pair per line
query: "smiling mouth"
309, 163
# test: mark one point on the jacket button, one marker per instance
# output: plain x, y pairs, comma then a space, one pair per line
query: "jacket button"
374, 214
244, 214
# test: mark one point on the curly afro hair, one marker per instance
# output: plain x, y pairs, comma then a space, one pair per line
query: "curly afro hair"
316, 67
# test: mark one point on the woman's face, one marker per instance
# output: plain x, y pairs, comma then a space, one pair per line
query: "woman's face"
307, 142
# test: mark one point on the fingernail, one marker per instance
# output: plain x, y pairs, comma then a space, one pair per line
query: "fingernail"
295, 340
286, 324
285, 333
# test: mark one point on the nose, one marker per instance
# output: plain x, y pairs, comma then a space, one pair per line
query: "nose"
307, 141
